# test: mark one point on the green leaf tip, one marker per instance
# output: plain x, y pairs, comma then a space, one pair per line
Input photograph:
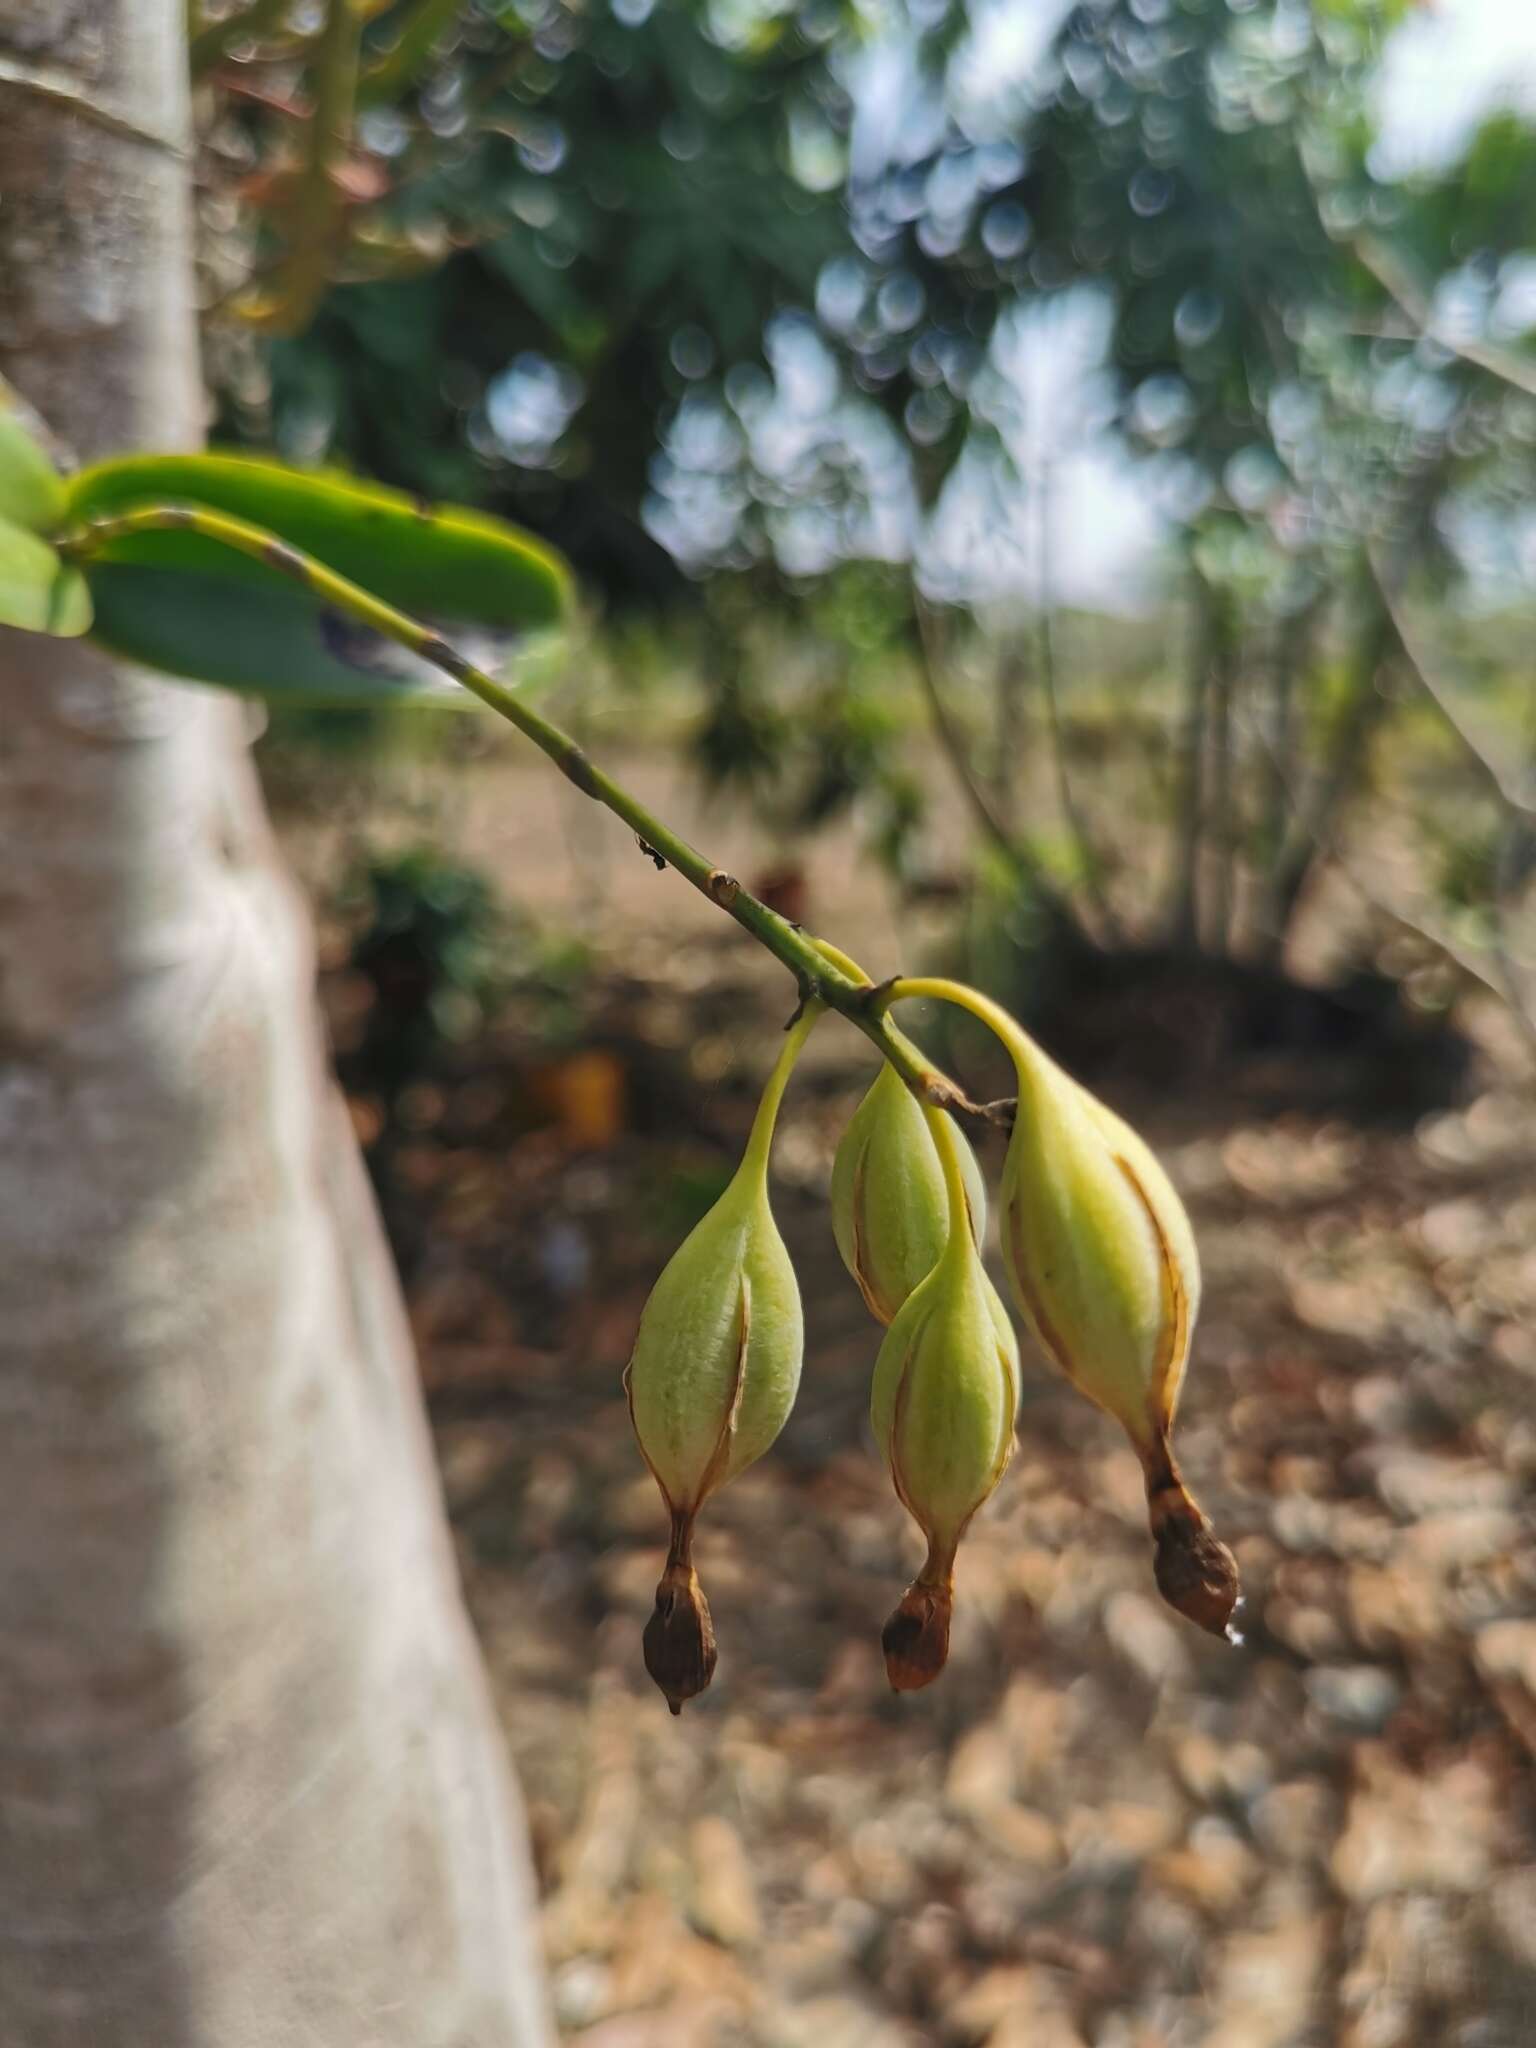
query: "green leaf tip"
38, 592
32, 492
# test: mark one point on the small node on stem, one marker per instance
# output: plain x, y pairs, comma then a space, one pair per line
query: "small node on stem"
941, 1093
577, 768
286, 560
876, 997
436, 649
722, 888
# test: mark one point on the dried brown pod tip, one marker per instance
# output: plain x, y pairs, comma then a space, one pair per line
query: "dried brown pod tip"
916, 1638
679, 1639
1196, 1573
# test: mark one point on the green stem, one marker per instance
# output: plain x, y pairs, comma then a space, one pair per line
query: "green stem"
959, 1245
1017, 1044
760, 1138
823, 973
286, 306
898, 1039
843, 961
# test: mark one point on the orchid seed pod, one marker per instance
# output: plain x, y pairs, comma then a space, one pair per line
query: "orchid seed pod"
890, 1211
712, 1379
944, 1401
1101, 1261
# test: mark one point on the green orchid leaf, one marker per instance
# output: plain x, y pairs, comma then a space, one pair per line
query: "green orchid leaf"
185, 603
283, 643
38, 592
451, 566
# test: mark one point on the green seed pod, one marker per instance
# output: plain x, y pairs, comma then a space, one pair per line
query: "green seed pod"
890, 1212
1101, 1261
712, 1379
717, 1357
1097, 1249
943, 1406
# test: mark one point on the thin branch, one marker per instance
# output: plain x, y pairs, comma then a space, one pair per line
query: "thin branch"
235, 87
399, 65
1066, 797
1414, 301
1508, 860
1292, 639
315, 209
1189, 801
1503, 982
1415, 304
212, 43
1500, 982
1007, 727
1315, 816
952, 744
950, 738
1512, 796
1511, 867
823, 974
1224, 672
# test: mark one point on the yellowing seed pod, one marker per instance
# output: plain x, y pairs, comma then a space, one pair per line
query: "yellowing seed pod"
711, 1381
1101, 1261
943, 1406
890, 1212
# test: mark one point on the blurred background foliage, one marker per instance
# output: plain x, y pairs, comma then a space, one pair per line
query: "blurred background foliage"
828, 340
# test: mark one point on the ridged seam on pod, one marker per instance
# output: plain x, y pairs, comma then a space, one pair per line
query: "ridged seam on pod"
712, 1379
943, 1407
1102, 1263
890, 1209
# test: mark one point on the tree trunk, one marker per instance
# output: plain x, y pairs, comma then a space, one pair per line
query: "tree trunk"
1189, 788
1290, 655
1310, 840
1219, 822
251, 1786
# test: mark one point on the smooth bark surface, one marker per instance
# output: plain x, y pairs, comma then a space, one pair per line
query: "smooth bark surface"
251, 1786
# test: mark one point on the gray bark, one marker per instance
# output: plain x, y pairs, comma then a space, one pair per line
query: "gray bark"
251, 1786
